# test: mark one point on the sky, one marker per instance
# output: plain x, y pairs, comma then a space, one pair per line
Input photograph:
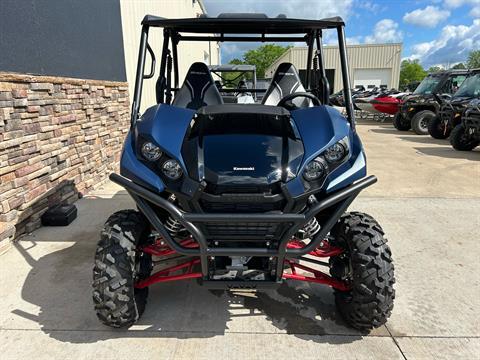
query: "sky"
436, 32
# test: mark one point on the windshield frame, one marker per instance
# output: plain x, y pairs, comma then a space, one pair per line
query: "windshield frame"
428, 79
472, 79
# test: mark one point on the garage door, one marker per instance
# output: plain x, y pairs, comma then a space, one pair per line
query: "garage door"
372, 77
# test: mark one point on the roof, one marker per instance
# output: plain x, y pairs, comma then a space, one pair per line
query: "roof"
243, 24
232, 67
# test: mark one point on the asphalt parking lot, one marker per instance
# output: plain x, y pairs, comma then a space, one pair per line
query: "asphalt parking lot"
428, 202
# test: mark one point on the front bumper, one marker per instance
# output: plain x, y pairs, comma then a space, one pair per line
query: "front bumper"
335, 205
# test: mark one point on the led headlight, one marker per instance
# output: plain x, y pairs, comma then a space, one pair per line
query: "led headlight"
314, 170
151, 152
172, 169
335, 153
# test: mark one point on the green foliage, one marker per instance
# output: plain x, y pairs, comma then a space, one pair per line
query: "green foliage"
263, 56
234, 77
410, 70
459, 66
473, 59
434, 69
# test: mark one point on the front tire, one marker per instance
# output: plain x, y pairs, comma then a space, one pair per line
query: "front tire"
460, 140
367, 266
117, 266
400, 123
438, 129
420, 121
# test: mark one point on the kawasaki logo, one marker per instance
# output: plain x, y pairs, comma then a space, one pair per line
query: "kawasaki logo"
251, 168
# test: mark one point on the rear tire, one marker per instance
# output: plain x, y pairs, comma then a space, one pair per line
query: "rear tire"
368, 267
461, 141
437, 128
117, 266
400, 123
420, 121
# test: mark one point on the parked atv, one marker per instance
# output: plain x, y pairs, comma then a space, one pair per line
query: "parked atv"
451, 109
242, 196
420, 107
466, 135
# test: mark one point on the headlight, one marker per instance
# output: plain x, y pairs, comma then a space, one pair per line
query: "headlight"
327, 161
314, 170
151, 152
335, 153
172, 169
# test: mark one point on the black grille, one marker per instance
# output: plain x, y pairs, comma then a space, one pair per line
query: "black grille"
241, 231
240, 189
234, 207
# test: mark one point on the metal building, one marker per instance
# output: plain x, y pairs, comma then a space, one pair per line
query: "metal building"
189, 52
370, 64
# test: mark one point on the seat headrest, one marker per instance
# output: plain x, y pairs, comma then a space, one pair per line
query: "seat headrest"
285, 81
198, 89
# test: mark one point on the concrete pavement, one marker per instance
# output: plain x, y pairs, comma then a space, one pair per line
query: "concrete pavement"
427, 201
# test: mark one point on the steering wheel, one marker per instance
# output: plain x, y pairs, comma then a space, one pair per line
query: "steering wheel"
290, 97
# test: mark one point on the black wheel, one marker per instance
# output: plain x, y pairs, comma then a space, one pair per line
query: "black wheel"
420, 121
367, 266
460, 139
400, 122
438, 129
117, 267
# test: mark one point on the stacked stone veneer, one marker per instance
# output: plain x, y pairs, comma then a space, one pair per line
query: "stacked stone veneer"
59, 137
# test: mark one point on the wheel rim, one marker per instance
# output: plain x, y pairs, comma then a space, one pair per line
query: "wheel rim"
423, 124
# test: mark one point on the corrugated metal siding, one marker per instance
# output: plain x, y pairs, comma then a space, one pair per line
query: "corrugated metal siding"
366, 56
133, 12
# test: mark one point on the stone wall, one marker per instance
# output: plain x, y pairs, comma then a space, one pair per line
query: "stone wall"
59, 137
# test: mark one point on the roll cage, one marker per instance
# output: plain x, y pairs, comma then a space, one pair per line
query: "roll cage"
239, 28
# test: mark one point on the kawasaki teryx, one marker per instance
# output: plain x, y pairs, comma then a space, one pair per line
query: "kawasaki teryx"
242, 196
452, 108
422, 106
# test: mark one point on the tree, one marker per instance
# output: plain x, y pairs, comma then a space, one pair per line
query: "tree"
263, 56
458, 66
410, 70
234, 77
473, 59
433, 69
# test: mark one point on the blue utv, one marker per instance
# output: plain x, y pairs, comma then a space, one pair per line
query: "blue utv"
243, 196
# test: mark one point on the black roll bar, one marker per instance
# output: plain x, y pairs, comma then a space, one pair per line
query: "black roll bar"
347, 93
161, 82
137, 94
323, 74
310, 40
152, 67
222, 38
176, 37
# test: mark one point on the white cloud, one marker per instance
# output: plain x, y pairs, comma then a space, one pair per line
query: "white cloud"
385, 31
369, 6
428, 17
307, 9
453, 45
453, 4
354, 40
475, 12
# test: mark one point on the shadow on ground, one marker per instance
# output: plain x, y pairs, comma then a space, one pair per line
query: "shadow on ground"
59, 284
